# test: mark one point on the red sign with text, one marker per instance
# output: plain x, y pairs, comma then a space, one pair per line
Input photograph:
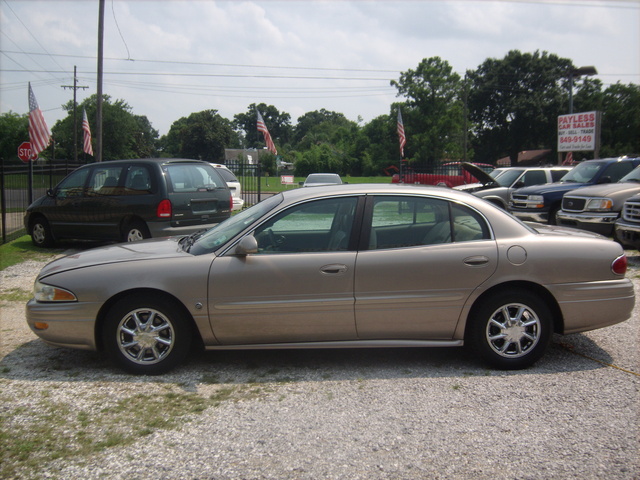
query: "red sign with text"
577, 132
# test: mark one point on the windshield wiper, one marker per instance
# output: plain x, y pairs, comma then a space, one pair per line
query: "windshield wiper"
187, 242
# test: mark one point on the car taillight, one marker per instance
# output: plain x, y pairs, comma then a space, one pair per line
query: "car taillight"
164, 209
619, 265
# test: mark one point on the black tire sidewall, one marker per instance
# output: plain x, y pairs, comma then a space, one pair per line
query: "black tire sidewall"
182, 328
475, 335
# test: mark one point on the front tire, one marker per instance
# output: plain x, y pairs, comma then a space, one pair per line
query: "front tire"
510, 330
145, 335
40, 232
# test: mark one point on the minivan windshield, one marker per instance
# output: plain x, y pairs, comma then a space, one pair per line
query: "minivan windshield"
214, 238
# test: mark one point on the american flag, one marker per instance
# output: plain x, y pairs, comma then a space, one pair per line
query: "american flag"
568, 160
401, 136
86, 147
267, 136
39, 134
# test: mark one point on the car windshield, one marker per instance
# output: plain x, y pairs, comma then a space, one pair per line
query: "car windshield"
507, 178
633, 176
583, 173
216, 237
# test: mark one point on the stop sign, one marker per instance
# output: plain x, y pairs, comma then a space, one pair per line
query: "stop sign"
25, 153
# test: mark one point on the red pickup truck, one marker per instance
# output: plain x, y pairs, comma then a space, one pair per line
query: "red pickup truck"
447, 175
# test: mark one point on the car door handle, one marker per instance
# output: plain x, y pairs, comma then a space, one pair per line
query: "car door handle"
476, 261
333, 269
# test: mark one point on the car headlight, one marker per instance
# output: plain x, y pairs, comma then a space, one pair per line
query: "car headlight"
49, 293
600, 204
536, 198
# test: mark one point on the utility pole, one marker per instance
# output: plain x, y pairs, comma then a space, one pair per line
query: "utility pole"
98, 151
75, 87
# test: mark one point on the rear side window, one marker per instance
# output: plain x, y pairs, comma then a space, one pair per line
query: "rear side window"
409, 221
191, 177
227, 175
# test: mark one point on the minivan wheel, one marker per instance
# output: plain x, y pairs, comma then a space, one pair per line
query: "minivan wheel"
40, 232
135, 231
146, 335
510, 330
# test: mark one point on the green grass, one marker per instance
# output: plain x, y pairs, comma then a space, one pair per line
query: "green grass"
22, 249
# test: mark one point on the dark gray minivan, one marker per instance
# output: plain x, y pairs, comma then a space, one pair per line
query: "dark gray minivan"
128, 200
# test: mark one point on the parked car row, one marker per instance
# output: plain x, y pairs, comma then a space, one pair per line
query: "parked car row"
601, 196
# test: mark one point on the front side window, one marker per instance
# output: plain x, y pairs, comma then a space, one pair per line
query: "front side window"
534, 177
73, 185
316, 226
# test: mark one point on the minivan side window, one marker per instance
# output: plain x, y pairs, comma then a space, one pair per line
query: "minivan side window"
138, 181
73, 185
104, 181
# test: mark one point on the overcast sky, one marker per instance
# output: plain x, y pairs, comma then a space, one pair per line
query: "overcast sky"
168, 59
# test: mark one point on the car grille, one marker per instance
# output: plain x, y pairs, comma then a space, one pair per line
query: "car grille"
573, 204
631, 211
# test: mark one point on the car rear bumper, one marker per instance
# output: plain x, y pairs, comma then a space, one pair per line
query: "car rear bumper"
590, 305
601, 223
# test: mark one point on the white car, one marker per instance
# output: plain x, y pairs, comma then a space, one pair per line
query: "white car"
233, 184
322, 179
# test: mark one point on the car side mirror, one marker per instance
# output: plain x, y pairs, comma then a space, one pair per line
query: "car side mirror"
51, 193
518, 184
247, 246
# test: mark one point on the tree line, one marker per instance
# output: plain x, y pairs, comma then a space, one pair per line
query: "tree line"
503, 107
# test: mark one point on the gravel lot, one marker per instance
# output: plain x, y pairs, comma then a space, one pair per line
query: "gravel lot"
330, 414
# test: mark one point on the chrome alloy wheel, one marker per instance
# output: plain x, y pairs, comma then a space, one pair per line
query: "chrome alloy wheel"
145, 336
513, 330
134, 235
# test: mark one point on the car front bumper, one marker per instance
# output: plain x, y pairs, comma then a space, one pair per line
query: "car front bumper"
68, 324
531, 215
627, 233
601, 223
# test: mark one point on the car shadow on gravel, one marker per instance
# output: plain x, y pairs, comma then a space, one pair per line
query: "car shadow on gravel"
37, 361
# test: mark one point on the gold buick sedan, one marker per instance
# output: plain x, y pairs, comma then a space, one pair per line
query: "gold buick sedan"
341, 266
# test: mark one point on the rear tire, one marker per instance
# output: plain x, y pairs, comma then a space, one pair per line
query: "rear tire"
40, 232
147, 335
135, 231
510, 330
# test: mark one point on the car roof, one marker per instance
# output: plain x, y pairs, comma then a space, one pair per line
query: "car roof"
298, 194
162, 161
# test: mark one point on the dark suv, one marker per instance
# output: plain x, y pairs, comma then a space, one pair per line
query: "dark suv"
128, 200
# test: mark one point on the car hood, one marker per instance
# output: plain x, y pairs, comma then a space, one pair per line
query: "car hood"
609, 188
550, 188
484, 178
159, 248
